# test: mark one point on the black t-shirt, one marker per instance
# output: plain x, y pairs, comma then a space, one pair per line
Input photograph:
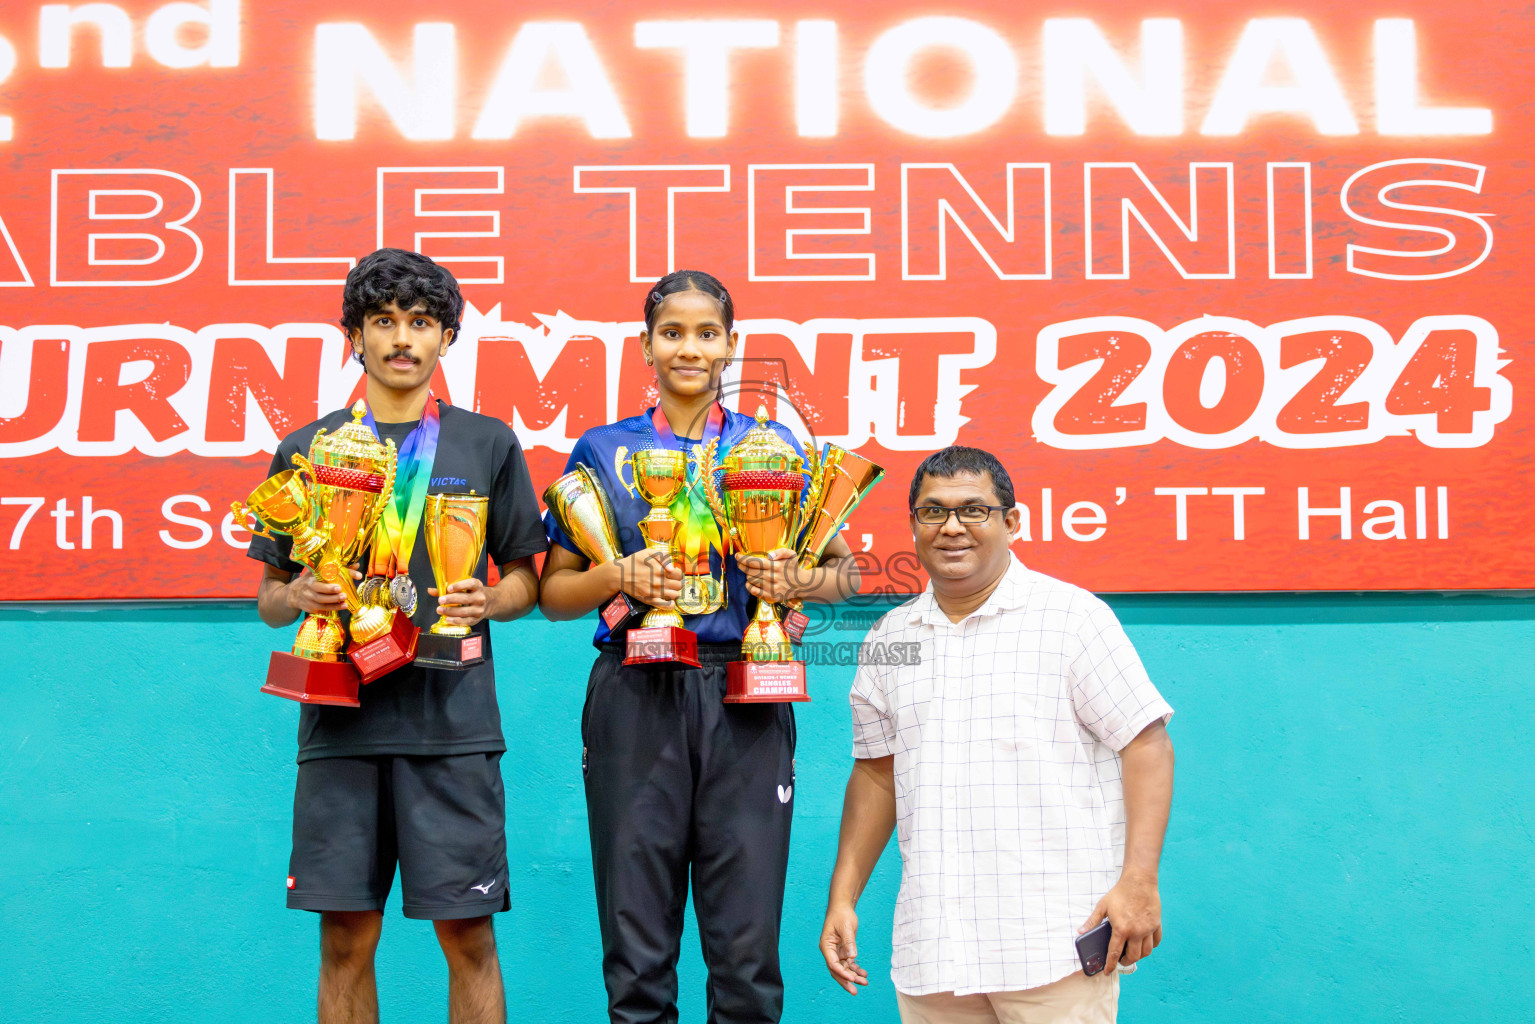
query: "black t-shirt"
422, 710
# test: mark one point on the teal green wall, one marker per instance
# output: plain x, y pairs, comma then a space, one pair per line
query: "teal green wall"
1351, 837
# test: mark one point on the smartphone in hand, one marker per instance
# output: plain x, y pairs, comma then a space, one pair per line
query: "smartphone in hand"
1093, 948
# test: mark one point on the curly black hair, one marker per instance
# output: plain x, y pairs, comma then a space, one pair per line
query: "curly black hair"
408, 279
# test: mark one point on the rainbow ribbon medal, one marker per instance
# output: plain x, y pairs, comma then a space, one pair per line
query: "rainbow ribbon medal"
697, 530
395, 537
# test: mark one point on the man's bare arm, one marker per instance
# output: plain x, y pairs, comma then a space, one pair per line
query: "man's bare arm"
516, 593
1133, 906
868, 818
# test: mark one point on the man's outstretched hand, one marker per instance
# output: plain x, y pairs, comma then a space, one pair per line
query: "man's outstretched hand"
839, 945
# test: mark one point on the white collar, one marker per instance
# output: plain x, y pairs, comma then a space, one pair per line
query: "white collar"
1010, 593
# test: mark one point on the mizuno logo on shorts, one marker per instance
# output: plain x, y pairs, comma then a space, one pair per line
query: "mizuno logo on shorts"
486, 887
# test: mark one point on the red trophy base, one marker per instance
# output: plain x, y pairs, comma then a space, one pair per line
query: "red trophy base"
311, 682
765, 682
660, 645
435, 650
384, 654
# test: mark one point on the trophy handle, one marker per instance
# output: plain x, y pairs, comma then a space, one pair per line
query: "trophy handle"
244, 514
306, 473
620, 460
389, 470
703, 457
812, 496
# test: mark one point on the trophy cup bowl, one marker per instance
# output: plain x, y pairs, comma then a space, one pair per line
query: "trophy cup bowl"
758, 502
454, 525
842, 478
581, 507
660, 474
281, 503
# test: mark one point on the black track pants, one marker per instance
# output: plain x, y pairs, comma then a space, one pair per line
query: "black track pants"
677, 779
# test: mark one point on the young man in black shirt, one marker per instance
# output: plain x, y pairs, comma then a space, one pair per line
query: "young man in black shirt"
413, 775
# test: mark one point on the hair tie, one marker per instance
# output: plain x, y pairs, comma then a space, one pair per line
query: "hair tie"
656, 297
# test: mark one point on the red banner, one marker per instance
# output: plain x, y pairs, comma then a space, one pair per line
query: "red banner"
1238, 292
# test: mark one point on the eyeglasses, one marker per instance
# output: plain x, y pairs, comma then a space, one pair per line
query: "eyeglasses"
938, 515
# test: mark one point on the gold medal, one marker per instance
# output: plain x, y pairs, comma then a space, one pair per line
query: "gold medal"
371, 592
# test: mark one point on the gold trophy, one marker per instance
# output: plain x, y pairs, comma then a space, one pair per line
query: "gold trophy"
454, 525
660, 474
837, 484
758, 503
329, 505
581, 507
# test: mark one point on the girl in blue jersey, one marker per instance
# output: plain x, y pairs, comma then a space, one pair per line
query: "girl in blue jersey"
677, 781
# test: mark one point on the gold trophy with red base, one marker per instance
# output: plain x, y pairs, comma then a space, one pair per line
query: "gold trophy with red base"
757, 502
329, 505
764, 503
454, 525
660, 474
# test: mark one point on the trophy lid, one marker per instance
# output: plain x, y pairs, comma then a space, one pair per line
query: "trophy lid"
351, 443
763, 445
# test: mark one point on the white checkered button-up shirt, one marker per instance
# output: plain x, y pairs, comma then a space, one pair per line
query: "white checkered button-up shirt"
1010, 813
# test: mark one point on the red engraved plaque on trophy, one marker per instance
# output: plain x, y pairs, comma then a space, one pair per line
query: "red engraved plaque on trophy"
660, 644
617, 611
794, 624
384, 654
759, 682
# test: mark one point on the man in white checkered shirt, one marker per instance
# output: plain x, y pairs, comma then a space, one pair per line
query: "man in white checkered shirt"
1024, 757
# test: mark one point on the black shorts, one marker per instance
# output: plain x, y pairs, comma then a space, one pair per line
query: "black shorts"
442, 819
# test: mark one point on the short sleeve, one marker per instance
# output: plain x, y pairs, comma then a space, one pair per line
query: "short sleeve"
515, 530
874, 731
1113, 696
581, 454
276, 552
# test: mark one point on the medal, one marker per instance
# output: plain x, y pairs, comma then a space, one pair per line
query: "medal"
402, 591
698, 533
368, 592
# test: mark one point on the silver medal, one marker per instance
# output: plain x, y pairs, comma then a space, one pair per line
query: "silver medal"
403, 592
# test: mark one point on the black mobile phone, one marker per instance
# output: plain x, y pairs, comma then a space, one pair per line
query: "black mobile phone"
1093, 948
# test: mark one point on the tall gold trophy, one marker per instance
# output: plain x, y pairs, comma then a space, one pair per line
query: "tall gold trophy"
581, 507
765, 504
757, 502
329, 505
843, 479
454, 525
660, 474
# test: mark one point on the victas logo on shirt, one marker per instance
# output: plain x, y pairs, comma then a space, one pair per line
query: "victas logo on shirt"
449, 481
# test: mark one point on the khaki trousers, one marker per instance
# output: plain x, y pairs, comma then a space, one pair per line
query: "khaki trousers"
1076, 999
